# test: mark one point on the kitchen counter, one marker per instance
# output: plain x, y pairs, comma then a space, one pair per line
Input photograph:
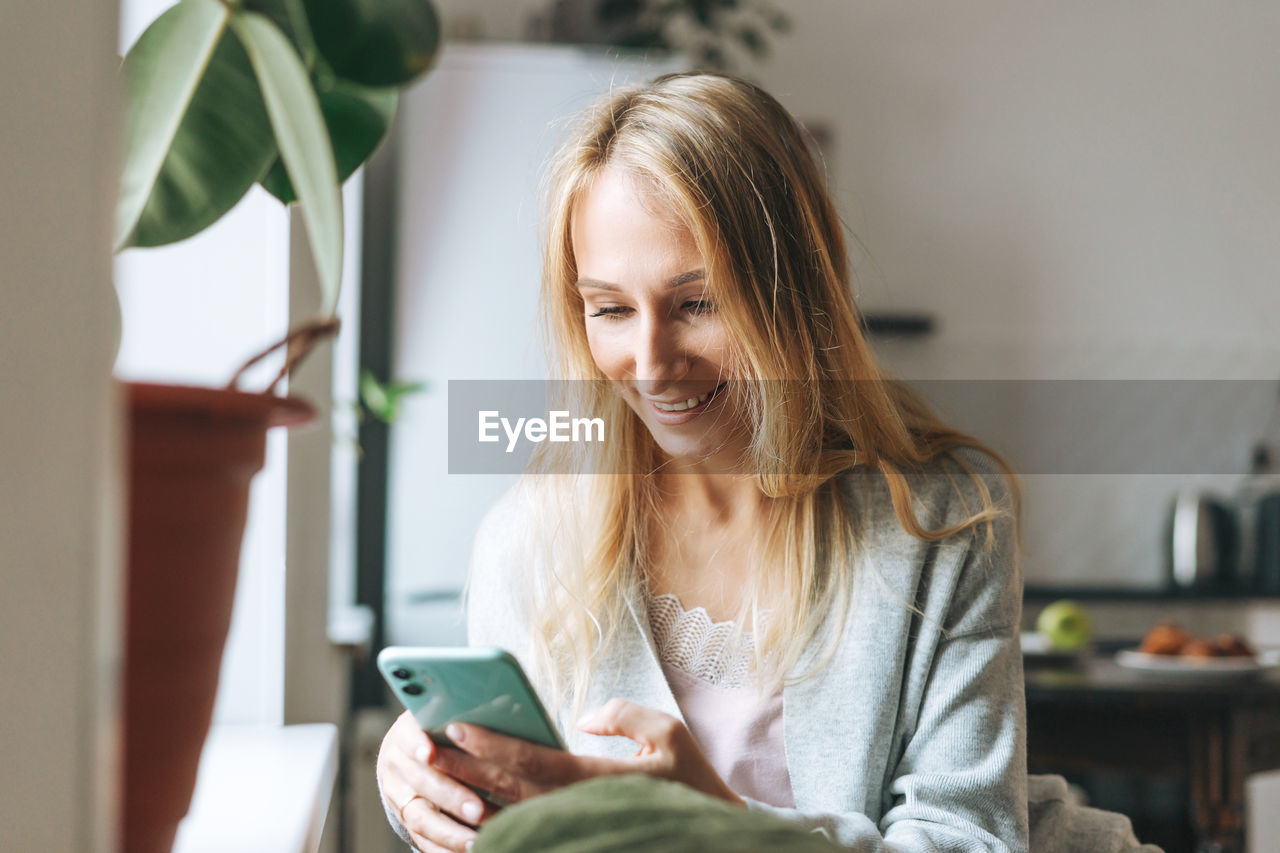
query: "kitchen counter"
1258, 620
1210, 735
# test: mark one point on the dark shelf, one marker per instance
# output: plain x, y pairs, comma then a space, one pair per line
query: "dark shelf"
1094, 593
904, 325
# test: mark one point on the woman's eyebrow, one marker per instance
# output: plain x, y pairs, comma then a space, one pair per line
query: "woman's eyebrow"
677, 281
685, 278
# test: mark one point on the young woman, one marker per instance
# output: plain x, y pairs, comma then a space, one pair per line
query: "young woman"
786, 583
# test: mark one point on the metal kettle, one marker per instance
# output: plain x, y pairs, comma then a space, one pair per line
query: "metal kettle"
1266, 552
1258, 513
1201, 542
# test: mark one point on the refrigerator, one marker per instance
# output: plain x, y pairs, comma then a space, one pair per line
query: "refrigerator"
473, 145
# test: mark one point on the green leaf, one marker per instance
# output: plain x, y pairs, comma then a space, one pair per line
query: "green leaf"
711, 56
382, 399
196, 133
304, 142
754, 41
291, 18
619, 11
643, 37
375, 42
357, 118
374, 396
703, 11
404, 389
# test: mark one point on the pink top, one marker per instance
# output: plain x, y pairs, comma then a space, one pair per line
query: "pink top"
740, 734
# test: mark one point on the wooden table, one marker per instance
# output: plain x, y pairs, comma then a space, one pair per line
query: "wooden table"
1101, 717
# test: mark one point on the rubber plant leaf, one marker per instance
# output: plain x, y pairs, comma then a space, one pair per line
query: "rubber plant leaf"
375, 42
357, 118
303, 141
196, 132
291, 18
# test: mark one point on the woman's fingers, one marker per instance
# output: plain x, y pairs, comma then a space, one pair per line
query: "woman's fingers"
426, 845
499, 783
396, 768
407, 736
653, 730
432, 807
511, 769
433, 830
445, 794
667, 749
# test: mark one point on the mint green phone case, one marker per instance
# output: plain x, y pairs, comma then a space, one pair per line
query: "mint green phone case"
484, 686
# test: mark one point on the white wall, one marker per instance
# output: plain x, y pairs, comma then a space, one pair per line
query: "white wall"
1097, 168
61, 507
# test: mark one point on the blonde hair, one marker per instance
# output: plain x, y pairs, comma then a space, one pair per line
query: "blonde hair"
728, 159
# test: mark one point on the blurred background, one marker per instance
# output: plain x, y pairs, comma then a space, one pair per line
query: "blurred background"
1077, 193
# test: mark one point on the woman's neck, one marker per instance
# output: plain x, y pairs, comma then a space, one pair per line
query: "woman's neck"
719, 500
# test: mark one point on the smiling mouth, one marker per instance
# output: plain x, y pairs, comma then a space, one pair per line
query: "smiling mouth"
686, 405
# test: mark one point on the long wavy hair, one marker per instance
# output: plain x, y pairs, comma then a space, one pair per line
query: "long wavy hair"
728, 160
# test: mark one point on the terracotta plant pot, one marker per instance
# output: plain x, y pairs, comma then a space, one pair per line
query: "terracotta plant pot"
192, 455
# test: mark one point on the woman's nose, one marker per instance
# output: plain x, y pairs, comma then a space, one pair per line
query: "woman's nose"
660, 357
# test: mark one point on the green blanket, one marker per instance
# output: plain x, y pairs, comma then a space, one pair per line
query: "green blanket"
638, 813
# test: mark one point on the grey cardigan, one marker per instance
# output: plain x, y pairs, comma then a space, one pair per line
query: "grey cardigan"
911, 737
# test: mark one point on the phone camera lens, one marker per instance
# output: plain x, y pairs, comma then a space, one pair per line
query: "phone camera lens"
412, 689
401, 673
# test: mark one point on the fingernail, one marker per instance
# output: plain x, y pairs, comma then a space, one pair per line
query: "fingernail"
455, 733
470, 844
471, 811
422, 754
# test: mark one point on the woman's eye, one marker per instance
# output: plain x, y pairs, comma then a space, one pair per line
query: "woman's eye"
699, 306
614, 311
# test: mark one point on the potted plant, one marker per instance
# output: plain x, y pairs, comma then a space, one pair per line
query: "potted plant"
220, 95
712, 34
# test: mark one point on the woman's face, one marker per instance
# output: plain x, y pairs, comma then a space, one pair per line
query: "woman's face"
651, 324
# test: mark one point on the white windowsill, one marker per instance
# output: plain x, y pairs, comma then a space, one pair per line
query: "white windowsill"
261, 788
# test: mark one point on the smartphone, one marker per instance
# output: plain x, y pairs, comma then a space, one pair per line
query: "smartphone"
484, 686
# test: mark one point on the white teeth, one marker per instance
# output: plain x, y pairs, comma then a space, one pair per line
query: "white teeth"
687, 404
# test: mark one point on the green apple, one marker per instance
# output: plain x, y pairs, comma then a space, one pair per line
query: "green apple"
1065, 625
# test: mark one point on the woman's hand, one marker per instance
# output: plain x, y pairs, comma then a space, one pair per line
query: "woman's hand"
514, 770
440, 813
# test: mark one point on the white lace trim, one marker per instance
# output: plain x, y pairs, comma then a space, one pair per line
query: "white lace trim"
691, 642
